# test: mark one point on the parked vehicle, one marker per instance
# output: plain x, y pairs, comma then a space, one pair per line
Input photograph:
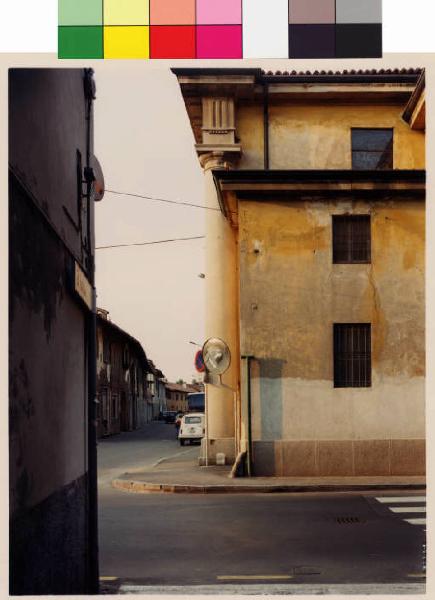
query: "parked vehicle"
192, 428
169, 416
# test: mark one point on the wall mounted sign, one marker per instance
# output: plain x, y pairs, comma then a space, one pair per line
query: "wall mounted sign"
219, 29
82, 287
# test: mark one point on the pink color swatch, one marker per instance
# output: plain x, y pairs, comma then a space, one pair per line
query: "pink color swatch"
215, 12
219, 41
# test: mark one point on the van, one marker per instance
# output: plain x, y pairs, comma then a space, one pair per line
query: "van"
192, 428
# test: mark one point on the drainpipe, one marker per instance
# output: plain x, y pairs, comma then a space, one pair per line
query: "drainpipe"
249, 415
93, 582
266, 125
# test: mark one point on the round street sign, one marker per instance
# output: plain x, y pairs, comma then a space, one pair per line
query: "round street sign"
199, 362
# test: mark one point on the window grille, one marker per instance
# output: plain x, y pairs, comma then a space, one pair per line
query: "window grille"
372, 148
351, 239
352, 355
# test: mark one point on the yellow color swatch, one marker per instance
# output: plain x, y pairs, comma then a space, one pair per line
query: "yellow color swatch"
126, 12
126, 42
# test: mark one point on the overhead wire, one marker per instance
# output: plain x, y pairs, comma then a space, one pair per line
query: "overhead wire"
196, 237
156, 199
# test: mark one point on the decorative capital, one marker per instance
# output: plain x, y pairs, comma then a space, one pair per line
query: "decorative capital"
217, 159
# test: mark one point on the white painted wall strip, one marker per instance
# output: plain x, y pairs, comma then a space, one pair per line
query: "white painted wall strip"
265, 29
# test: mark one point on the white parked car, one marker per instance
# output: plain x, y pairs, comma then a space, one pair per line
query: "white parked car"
191, 428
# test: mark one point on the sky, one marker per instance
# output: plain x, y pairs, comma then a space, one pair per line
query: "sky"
145, 145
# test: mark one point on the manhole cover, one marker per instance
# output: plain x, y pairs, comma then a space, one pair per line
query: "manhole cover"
349, 520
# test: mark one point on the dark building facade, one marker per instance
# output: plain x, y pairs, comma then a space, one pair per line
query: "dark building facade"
122, 368
52, 455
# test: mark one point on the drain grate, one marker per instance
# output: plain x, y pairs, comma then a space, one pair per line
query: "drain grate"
349, 520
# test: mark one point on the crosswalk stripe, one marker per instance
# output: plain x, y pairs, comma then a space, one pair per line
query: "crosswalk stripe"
408, 509
405, 510
416, 521
394, 499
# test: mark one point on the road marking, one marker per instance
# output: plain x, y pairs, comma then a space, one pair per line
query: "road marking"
395, 499
408, 509
242, 577
107, 578
416, 521
402, 510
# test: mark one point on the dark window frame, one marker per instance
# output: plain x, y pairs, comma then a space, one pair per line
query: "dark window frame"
351, 239
352, 355
386, 154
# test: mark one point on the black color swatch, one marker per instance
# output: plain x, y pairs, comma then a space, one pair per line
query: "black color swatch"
312, 41
358, 40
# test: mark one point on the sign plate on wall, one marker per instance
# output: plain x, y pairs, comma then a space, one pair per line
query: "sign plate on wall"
82, 286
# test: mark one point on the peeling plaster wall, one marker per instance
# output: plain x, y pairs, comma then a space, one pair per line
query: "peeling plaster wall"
318, 136
291, 294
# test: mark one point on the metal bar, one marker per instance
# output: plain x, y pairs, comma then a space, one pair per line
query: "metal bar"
266, 125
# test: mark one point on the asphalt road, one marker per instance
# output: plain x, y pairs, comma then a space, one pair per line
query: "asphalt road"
137, 449
256, 539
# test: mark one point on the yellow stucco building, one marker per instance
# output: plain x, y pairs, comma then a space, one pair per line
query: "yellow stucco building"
315, 267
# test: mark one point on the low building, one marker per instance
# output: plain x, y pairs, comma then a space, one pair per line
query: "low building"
122, 369
176, 396
156, 389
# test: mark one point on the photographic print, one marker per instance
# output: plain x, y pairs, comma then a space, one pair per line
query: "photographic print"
217, 325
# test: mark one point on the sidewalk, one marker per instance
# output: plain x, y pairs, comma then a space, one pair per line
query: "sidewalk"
181, 474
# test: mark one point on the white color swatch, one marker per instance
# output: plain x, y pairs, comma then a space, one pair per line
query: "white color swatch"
265, 29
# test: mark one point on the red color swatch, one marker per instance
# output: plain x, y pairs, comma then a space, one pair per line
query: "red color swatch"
172, 41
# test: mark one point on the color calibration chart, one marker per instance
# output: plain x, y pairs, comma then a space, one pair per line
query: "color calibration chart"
219, 29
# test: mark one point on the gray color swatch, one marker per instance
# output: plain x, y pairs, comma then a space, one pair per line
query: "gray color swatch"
359, 11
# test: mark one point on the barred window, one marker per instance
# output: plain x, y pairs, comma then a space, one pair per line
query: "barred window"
372, 148
352, 355
351, 239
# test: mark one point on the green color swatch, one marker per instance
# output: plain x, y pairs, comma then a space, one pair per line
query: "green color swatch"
80, 12
80, 42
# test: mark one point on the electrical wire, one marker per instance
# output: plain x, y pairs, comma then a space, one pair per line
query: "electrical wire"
155, 199
197, 237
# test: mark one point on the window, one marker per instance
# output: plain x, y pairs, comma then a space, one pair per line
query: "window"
372, 148
351, 239
192, 420
106, 350
115, 406
352, 355
125, 357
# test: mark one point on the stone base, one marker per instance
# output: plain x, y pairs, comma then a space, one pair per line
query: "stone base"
49, 547
328, 458
224, 445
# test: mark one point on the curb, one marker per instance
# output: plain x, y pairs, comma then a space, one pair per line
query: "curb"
129, 485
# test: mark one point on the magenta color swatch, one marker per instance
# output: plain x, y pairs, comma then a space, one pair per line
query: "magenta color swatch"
216, 12
219, 41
